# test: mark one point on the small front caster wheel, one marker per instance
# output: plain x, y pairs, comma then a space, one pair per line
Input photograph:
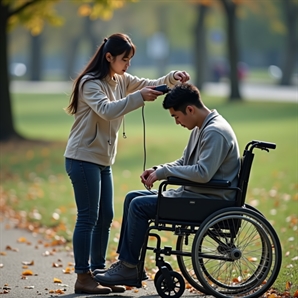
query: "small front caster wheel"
159, 272
173, 286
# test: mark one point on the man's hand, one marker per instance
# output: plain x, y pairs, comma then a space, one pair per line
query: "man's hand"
148, 178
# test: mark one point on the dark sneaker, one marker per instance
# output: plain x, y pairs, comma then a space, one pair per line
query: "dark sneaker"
102, 271
119, 275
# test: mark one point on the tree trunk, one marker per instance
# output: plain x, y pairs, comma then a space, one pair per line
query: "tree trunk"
162, 27
6, 120
291, 12
71, 50
232, 45
35, 58
200, 52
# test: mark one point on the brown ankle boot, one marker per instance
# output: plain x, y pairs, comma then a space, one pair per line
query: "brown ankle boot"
117, 289
85, 283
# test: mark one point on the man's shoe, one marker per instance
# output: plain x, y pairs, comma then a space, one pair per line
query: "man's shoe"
119, 275
102, 271
85, 283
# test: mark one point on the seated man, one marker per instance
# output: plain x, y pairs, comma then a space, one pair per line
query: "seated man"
211, 153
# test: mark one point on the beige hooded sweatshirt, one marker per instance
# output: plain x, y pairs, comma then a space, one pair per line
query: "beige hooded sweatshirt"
101, 107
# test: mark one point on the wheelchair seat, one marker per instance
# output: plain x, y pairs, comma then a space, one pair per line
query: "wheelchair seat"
198, 209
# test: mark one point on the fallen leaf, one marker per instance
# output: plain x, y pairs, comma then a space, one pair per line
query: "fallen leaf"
57, 280
27, 272
28, 263
67, 270
288, 285
272, 296
22, 240
2, 253
59, 291
29, 287
296, 294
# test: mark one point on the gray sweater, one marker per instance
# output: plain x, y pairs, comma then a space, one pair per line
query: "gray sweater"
101, 108
211, 153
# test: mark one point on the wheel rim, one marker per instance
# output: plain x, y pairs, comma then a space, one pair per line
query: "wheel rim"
237, 268
185, 262
174, 290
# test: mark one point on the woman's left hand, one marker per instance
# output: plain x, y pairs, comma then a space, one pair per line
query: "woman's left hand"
181, 76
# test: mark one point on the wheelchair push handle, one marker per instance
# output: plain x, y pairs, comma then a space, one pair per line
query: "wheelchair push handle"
260, 145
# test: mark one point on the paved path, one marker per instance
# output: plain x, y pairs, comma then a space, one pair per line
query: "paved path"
249, 91
18, 246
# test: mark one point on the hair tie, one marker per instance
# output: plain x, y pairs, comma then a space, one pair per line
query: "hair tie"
105, 40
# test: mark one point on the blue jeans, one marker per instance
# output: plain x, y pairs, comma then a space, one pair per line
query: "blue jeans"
93, 191
139, 207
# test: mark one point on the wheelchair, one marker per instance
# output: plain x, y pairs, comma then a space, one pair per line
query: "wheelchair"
223, 248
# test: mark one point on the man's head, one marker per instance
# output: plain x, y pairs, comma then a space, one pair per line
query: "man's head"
185, 105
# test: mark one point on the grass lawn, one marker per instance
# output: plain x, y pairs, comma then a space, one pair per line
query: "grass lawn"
36, 189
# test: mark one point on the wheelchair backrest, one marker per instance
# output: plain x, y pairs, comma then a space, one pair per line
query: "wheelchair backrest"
246, 163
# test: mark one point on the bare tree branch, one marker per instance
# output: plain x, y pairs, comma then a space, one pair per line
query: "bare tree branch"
22, 7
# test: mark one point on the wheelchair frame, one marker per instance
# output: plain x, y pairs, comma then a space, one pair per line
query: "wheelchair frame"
225, 249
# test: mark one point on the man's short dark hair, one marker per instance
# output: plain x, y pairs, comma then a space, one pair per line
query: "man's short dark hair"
182, 96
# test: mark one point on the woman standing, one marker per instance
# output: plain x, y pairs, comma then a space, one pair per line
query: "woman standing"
102, 94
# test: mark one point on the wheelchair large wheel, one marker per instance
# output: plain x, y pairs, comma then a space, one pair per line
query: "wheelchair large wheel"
236, 253
184, 244
172, 287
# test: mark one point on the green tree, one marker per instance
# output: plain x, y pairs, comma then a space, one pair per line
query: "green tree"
33, 14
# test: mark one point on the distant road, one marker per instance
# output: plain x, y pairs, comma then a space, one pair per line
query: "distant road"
249, 91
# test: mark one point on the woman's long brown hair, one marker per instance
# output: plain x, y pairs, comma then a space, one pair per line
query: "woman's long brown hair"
98, 66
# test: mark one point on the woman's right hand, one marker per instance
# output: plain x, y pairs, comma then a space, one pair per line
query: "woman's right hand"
149, 94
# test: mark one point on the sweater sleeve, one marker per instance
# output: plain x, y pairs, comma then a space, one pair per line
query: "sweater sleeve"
134, 83
96, 98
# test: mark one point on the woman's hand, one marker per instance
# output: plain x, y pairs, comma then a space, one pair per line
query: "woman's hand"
181, 76
149, 94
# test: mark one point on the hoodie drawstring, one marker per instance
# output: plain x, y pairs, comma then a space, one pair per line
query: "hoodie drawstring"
123, 128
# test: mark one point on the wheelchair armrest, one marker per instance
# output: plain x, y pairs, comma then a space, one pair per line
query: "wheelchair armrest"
213, 183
